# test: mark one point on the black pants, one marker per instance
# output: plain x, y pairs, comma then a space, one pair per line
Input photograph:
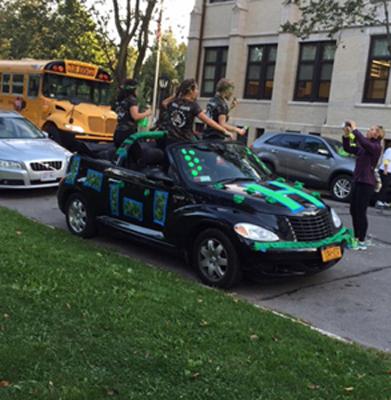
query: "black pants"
361, 196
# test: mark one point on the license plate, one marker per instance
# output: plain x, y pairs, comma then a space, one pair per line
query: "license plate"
49, 176
331, 253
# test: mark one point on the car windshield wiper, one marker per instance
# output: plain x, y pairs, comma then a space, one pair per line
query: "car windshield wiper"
238, 179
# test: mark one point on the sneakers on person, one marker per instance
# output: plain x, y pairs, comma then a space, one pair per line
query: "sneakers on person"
380, 204
362, 246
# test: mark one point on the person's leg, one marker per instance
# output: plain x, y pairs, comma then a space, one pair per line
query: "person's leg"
366, 193
353, 209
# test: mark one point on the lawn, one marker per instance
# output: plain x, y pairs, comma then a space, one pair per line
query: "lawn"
81, 322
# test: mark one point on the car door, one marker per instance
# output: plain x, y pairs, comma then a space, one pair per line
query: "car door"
315, 162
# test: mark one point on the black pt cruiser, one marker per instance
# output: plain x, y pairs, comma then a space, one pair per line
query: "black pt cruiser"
214, 201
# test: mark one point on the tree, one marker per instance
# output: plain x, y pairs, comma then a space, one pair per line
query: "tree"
172, 63
132, 24
48, 29
334, 15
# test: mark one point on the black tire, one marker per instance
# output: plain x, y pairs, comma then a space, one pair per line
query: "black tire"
80, 216
216, 274
53, 131
341, 187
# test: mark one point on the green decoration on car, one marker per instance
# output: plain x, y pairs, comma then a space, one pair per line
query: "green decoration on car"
238, 199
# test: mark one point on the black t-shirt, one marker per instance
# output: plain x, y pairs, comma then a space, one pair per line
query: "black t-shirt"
179, 118
125, 120
216, 106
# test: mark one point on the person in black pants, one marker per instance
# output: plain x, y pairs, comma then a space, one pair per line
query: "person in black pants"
368, 150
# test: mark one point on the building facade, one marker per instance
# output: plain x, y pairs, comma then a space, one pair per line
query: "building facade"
284, 83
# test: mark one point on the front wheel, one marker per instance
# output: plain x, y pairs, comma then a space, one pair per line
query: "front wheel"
341, 187
80, 217
216, 259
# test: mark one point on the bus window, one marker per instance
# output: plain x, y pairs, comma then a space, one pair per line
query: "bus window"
17, 84
6, 83
33, 86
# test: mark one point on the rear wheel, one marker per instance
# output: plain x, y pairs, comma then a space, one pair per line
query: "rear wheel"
80, 217
341, 187
216, 259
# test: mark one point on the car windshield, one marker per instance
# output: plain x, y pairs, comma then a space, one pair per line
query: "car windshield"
338, 148
63, 87
211, 163
18, 128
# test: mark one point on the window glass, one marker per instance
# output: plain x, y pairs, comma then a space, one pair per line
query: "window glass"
6, 83
308, 53
380, 48
329, 52
214, 69
292, 141
33, 86
312, 145
211, 55
306, 72
256, 54
17, 84
18, 128
210, 72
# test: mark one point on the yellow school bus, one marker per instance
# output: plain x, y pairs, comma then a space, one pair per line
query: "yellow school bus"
66, 98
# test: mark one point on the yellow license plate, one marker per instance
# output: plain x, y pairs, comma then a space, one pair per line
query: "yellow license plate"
331, 253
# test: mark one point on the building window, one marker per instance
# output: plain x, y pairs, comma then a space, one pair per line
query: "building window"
316, 62
379, 64
6, 83
260, 72
215, 66
17, 84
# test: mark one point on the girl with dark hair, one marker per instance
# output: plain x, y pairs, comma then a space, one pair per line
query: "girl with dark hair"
218, 110
182, 109
128, 111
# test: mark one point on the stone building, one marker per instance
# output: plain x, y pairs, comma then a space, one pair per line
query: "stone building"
284, 83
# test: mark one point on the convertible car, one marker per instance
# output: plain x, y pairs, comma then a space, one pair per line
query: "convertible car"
215, 202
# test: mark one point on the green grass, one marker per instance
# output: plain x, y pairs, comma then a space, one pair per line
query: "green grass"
80, 322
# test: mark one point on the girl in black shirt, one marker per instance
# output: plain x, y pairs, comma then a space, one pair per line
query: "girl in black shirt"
181, 110
218, 110
128, 112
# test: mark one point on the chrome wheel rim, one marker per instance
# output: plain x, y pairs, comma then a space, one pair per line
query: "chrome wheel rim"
77, 216
213, 260
342, 188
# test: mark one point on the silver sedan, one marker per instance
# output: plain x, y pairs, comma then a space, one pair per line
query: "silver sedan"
28, 159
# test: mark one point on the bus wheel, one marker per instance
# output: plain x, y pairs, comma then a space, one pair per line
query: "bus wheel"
53, 132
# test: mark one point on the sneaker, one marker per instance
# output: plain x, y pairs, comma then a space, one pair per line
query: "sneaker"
353, 244
362, 246
380, 204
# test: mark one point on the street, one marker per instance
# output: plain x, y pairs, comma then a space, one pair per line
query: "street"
351, 300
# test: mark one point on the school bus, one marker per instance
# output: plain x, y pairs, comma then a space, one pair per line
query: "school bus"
68, 99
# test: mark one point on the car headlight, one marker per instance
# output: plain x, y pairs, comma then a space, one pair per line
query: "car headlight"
10, 164
255, 232
74, 128
336, 220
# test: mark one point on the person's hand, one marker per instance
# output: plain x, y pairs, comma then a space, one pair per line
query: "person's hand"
353, 125
148, 112
241, 132
229, 135
234, 103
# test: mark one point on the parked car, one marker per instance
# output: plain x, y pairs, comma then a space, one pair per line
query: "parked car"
28, 159
318, 162
214, 201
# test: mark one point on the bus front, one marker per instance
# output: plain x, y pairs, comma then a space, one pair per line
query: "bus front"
77, 102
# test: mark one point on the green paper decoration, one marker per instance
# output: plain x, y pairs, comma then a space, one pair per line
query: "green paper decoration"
239, 199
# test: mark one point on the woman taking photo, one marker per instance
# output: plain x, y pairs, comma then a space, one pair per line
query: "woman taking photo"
368, 150
180, 112
128, 111
218, 110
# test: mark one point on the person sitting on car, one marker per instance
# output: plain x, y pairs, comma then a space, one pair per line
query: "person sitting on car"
128, 112
218, 110
180, 112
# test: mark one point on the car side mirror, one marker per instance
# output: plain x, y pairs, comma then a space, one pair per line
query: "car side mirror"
74, 101
324, 152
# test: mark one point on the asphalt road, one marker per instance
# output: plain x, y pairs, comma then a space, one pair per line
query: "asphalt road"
351, 300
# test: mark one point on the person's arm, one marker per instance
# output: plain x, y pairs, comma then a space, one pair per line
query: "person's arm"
223, 122
166, 102
137, 115
208, 121
365, 143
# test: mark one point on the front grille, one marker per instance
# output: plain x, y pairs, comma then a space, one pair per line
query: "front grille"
46, 165
111, 124
12, 182
96, 124
309, 228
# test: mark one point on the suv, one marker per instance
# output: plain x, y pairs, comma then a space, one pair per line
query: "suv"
317, 161
213, 201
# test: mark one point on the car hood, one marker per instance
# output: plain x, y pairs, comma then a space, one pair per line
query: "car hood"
271, 197
31, 149
90, 109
